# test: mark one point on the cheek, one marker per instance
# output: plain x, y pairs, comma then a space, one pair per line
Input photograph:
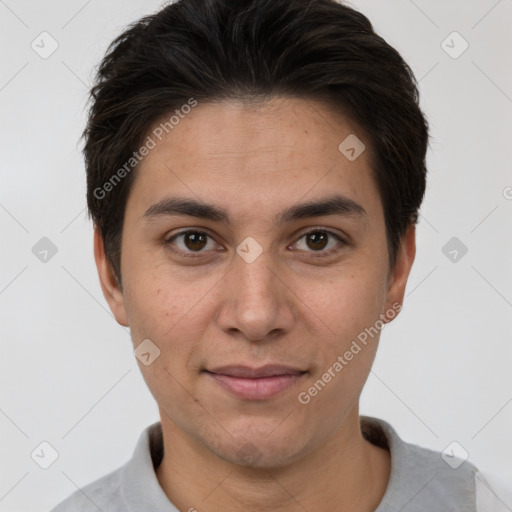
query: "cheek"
173, 312
351, 309
174, 324
160, 301
349, 304
335, 392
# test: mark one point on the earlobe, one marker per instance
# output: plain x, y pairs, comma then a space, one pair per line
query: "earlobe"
400, 272
109, 285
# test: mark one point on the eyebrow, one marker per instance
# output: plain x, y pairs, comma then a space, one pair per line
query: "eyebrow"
333, 205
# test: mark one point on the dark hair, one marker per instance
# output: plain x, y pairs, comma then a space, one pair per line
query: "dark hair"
208, 50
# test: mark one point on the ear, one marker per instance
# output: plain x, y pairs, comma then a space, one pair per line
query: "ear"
111, 290
399, 274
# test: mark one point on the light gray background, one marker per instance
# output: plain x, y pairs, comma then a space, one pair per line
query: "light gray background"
67, 372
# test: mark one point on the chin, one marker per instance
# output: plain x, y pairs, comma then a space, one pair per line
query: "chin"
258, 456
259, 446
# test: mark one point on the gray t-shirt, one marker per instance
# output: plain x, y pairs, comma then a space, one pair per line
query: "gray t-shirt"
421, 480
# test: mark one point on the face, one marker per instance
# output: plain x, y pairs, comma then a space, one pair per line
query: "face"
255, 294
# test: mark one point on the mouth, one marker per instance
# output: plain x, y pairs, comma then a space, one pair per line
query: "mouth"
256, 383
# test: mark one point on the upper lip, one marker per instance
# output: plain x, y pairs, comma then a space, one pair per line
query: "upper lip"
269, 370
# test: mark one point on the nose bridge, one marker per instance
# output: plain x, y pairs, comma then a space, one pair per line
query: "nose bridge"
256, 303
254, 281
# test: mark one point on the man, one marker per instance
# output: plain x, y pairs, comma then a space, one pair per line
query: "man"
254, 172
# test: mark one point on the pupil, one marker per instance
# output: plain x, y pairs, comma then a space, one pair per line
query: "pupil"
195, 240
317, 238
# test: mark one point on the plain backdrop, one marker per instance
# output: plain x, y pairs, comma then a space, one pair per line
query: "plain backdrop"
68, 375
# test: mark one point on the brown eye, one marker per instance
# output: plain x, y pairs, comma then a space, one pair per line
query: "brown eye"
194, 240
321, 241
317, 240
189, 242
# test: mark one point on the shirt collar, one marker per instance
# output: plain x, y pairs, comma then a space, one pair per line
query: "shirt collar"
141, 489
139, 486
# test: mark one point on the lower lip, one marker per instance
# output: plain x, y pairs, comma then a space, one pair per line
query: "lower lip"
256, 389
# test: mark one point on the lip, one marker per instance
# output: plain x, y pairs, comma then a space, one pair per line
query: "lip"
256, 383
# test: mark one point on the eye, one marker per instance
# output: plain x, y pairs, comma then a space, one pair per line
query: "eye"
320, 241
191, 241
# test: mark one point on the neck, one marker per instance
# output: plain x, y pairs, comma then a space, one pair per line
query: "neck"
347, 470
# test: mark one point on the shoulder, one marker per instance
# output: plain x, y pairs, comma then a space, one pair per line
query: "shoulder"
102, 494
422, 478
133, 486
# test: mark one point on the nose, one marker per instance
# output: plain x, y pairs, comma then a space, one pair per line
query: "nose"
256, 303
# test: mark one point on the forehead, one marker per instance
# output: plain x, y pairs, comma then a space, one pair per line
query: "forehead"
266, 154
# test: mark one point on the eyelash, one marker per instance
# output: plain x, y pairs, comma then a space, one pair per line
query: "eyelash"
315, 254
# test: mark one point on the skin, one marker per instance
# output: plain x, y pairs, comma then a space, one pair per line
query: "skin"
289, 306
